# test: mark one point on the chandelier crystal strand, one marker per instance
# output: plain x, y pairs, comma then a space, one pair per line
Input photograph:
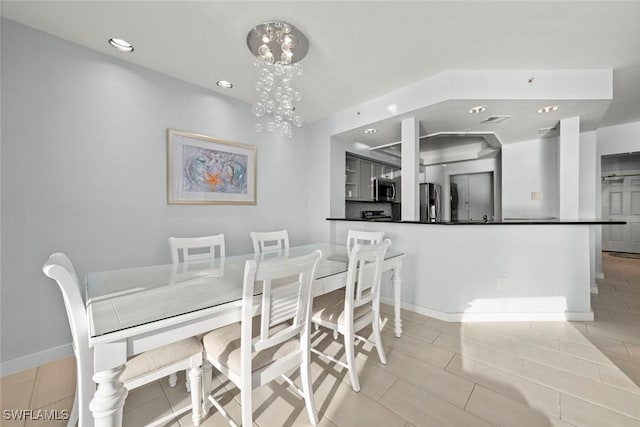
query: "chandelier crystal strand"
278, 46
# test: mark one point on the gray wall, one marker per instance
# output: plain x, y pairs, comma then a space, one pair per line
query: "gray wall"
527, 167
84, 172
621, 163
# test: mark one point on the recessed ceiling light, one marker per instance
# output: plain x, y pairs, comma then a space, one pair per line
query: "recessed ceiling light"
370, 131
496, 119
225, 84
478, 109
121, 45
547, 130
547, 109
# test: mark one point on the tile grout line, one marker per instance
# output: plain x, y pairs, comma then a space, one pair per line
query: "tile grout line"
484, 362
552, 366
598, 405
33, 387
568, 393
387, 390
464, 408
560, 404
176, 418
592, 346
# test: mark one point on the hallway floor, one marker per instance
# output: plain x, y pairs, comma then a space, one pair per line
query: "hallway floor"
438, 374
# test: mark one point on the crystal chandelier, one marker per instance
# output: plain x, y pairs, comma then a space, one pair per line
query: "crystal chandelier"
278, 48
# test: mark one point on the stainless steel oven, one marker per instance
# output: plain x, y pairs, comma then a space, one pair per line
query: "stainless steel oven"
384, 190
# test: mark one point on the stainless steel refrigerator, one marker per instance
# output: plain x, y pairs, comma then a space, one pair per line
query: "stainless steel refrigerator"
430, 202
454, 202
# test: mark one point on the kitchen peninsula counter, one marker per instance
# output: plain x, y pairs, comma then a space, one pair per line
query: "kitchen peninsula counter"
515, 269
525, 221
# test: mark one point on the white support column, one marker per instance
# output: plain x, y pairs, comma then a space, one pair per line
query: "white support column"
589, 186
569, 165
410, 131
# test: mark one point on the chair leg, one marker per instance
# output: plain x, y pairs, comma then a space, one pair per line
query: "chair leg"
187, 381
378, 339
349, 347
246, 406
173, 380
207, 372
73, 418
85, 390
207, 386
305, 376
195, 379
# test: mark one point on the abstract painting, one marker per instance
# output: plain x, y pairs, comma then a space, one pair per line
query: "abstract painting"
207, 170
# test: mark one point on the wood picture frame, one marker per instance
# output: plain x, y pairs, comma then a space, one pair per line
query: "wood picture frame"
203, 170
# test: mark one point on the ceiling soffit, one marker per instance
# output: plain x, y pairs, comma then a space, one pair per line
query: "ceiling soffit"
441, 104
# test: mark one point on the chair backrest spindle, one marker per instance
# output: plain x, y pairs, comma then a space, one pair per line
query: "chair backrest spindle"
286, 298
364, 275
365, 237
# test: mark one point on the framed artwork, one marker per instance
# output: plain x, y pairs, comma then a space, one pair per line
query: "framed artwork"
206, 170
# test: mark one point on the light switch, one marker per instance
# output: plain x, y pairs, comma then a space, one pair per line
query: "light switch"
535, 195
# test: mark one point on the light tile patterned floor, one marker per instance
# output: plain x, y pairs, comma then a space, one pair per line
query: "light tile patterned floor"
439, 374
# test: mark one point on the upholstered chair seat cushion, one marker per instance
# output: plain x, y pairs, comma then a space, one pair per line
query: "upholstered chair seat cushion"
330, 308
160, 357
223, 344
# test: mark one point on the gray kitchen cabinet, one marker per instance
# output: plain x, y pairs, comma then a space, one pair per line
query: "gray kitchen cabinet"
365, 180
387, 172
378, 170
359, 174
351, 178
382, 171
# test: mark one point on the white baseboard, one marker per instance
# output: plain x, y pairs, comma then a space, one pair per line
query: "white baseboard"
35, 359
493, 317
600, 275
594, 289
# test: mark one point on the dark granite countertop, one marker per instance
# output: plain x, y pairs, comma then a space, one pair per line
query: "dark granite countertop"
525, 221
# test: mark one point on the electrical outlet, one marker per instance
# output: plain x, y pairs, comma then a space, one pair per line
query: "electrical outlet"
536, 195
502, 282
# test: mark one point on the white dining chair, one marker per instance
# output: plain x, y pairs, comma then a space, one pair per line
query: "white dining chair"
184, 249
366, 237
195, 249
350, 309
139, 370
260, 349
269, 241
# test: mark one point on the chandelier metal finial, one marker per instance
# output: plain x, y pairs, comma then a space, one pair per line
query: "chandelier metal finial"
278, 47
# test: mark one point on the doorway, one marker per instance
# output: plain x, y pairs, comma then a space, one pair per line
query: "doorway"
621, 201
474, 196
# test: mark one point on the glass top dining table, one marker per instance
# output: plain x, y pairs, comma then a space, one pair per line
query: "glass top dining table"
127, 298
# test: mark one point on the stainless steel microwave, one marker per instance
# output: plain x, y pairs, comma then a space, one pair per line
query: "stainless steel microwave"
384, 190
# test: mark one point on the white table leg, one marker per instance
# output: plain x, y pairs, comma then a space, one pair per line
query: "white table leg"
395, 279
195, 378
109, 398
207, 372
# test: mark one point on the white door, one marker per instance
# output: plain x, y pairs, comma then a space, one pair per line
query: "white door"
621, 201
475, 196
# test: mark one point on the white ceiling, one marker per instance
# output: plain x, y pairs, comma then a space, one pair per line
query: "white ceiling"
360, 50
